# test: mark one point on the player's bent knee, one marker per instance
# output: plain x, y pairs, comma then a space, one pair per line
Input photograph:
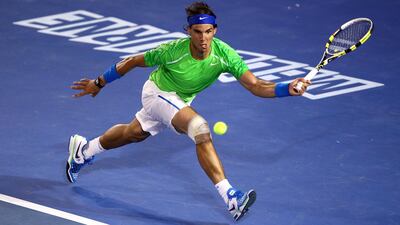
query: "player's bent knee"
135, 135
202, 138
198, 130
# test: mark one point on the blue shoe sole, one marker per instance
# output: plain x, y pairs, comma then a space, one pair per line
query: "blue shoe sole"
68, 166
251, 199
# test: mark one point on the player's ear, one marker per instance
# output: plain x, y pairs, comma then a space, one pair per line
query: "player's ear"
188, 30
215, 30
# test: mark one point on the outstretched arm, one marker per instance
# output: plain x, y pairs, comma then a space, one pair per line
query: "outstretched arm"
93, 87
267, 89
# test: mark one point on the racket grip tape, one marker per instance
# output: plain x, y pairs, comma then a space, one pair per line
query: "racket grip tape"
309, 76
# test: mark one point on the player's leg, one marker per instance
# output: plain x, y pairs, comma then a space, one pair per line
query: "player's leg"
189, 122
206, 153
82, 152
120, 135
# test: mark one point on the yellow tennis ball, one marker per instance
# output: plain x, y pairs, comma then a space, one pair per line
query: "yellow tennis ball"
220, 128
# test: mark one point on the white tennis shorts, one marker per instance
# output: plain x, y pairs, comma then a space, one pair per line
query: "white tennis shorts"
159, 107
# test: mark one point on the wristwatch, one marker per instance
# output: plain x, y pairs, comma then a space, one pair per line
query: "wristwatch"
97, 83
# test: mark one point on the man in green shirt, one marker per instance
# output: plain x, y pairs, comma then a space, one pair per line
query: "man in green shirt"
185, 67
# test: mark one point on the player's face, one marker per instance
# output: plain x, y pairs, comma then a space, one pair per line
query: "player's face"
201, 37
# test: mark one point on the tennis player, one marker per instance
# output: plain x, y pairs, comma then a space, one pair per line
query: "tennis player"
185, 67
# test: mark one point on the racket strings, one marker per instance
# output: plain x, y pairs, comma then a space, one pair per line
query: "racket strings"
350, 36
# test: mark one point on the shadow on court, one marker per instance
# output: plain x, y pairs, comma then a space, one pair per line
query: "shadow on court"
88, 200
131, 210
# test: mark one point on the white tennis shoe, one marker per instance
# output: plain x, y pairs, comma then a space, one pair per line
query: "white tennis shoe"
76, 159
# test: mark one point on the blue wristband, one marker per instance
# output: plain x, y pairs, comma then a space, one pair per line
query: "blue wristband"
111, 74
282, 90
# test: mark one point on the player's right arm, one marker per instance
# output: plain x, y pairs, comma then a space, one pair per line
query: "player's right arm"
129, 63
154, 57
93, 87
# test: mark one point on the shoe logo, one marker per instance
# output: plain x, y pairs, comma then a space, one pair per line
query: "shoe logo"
232, 192
202, 18
76, 153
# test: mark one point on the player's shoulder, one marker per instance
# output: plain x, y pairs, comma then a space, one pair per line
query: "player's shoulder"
222, 48
221, 44
178, 43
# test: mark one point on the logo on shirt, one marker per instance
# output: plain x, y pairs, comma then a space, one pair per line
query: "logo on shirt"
213, 64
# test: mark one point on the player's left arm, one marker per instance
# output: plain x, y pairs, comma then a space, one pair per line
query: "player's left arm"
267, 89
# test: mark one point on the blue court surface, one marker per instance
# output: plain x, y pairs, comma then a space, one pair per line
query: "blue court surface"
330, 157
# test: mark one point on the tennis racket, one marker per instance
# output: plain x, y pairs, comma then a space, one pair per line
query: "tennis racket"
346, 39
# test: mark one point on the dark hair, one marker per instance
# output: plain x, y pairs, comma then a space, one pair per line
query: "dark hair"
199, 8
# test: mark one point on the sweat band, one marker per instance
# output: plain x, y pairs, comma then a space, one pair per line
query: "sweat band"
201, 19
282, 90
111, 74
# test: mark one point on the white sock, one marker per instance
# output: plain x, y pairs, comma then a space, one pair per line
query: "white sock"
223, 187
94, 147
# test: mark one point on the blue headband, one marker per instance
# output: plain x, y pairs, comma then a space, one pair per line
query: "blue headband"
201, 19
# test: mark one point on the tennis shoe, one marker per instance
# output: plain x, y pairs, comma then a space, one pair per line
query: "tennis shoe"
239, 202
76, 160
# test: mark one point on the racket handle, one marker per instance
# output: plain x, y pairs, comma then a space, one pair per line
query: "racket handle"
309, 76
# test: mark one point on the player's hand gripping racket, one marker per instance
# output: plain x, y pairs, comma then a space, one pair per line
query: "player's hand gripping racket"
346, 39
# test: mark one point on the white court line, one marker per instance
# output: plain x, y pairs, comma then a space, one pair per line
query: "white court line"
47, 210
